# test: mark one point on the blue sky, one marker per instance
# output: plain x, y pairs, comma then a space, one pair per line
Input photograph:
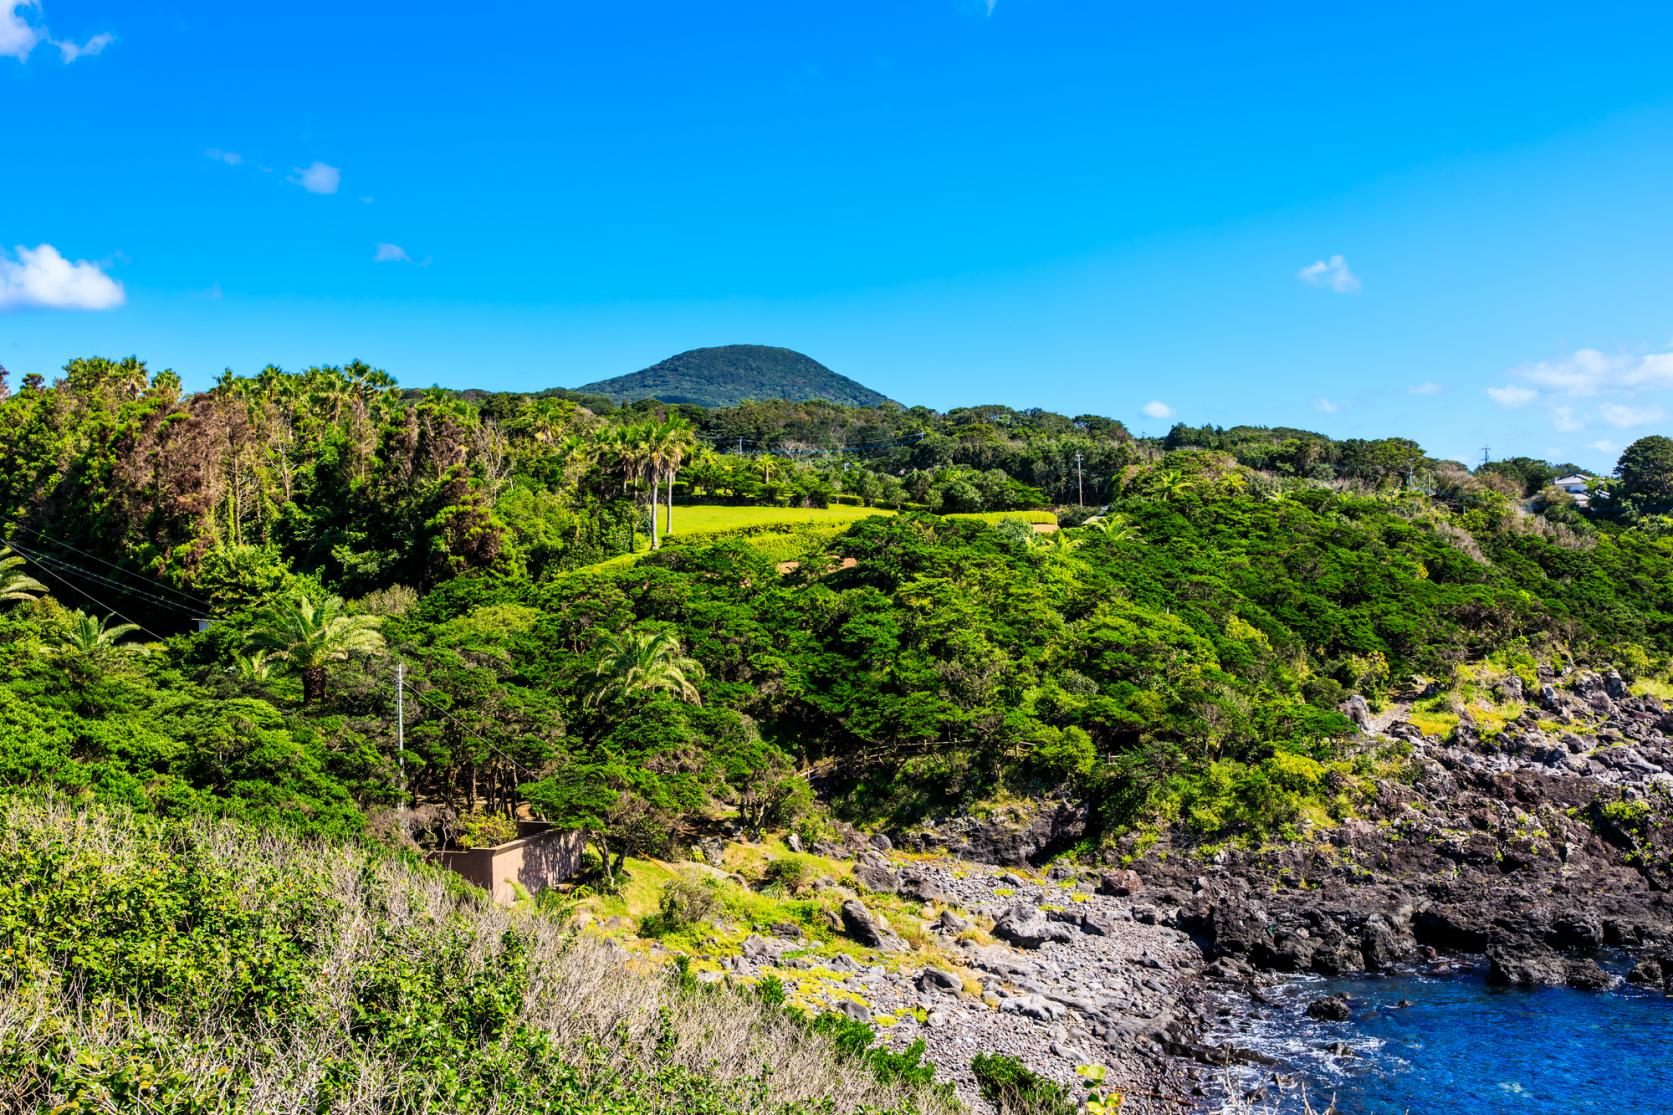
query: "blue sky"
1441, 223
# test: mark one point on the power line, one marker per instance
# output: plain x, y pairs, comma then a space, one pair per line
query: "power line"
41, 535
49, 562
73, 588
473, 735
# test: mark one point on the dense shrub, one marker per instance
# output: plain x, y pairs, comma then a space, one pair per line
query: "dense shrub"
1014, 1089
202, 968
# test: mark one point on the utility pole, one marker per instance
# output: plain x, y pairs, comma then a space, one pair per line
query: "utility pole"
1485, 451
401, 740
1080, 485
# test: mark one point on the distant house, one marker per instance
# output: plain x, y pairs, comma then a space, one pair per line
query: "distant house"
1578, 486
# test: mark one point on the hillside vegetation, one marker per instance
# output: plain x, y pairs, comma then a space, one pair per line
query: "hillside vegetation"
732, 374
205, 968
1174, 659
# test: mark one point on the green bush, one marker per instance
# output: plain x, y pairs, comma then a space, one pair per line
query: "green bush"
486, 830
854, 1038
684, 903
1014, 1089
791, 874
203, 969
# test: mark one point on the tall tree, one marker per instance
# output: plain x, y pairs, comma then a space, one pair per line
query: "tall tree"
1646, 472
309, 636
679, 442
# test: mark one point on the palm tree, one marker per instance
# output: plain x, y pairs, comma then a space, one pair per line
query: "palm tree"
309, 636
14, 585
88, 637
679, 441
253, 668
1116, 526
88, 649
636, 662
628, 448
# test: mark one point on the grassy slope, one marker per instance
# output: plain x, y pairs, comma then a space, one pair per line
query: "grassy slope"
702, 519
205, 968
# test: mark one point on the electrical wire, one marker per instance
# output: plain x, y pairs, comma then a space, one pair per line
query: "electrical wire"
50, 562
58, 542
473, 735
94, 599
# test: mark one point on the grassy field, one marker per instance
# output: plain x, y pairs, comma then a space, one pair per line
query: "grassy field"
702, 518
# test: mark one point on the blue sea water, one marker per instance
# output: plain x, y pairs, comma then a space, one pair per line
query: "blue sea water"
1464, 1048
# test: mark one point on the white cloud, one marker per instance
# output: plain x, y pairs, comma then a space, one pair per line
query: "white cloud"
1325, 406
17, 37
70, 51
318, 178
1562, 417
1332, 273
1156, 408
231, 158
1424, 389
390, 253
1626, 417
43, 278
1512, 396
1604, 446
1589, 372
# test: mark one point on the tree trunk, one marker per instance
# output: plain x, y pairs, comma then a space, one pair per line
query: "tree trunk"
656, 482
313, 685
668, 521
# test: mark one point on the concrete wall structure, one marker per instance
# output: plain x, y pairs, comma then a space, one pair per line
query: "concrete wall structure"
539, 857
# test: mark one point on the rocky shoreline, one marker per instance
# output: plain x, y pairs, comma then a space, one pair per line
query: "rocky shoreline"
1530, 848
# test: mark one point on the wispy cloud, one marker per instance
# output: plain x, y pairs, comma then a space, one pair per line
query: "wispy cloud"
1604, 446
1326, 406
19, 36
70, 51
42, 278
1156, 408
1590, 386
1511, 396
1626, 417
1332, 273
317, 178
231, 158
390, 253
1590, 372
1424, 389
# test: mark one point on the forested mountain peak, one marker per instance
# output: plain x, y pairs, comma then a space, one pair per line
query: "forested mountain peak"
727, 375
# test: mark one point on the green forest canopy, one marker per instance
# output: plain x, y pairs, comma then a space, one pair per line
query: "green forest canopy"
1175, 657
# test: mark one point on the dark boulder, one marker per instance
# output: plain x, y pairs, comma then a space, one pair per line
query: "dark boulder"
1332, 1008
1027, 928
1523, 963
869, 930
1121, 884
920, 887
876, 877
1587, 976
1647, 973
939, 979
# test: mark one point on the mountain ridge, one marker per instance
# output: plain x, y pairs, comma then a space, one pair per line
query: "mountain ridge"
726, 375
